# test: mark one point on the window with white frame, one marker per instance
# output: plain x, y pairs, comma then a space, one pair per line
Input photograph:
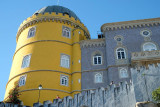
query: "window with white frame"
22, 80
64, 80
26, 61
65, 61
98, 78
97, 59
149, 46
31, 32
66, 32
121, 53
123, 73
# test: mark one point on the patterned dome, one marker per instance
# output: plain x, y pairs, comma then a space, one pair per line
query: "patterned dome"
57, 9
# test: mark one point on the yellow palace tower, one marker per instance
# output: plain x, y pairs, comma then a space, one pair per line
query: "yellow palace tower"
48, 53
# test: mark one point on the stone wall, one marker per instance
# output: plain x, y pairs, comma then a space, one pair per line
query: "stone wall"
124, 94
121, 95
145, 81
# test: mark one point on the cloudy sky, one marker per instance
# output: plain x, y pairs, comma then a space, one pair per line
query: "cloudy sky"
93, 13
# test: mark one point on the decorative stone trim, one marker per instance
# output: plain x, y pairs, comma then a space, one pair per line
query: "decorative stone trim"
149, 32
149, 41
48, 19
130, 24
93, 43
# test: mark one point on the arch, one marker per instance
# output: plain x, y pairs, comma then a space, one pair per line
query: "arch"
65, 61
26, 61
31, 32
121, 54
98, 78
66, 32
149, 46
64, 80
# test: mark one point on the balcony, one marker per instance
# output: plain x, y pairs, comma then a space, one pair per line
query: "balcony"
146, 57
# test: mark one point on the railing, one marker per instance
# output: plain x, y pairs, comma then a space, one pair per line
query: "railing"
146, 55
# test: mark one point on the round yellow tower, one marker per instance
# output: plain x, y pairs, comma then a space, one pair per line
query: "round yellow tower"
48, 53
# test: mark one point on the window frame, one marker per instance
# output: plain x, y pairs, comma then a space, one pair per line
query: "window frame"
66, 80
28, 36
120, 72
61, 62
120, 53
98, 75
24, 80
23, 61
97, 56
151, 44
66, 29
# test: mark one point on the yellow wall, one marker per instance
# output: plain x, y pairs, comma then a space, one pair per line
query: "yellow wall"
46, 48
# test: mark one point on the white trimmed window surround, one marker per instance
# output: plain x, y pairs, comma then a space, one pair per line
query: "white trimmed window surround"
98, 78
121, 53
123, 73
97, 59
145, 33
32, 32
64, 80
26, 61
65, 61
22, 80
66, 32
149, 46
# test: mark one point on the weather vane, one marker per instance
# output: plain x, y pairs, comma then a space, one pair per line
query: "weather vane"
57, 2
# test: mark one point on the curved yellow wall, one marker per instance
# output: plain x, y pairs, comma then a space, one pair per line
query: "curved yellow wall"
46, 48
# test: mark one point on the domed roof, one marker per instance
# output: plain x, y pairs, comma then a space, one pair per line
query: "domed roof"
57, 9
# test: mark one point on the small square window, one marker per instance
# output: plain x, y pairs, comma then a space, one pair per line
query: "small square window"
97, 59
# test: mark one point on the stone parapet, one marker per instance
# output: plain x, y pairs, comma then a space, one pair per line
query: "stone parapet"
146, 55
93, 43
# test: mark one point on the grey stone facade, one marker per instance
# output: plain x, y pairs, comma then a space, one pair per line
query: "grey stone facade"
132, 40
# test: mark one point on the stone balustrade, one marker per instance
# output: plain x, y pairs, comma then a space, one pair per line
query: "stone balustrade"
145, 55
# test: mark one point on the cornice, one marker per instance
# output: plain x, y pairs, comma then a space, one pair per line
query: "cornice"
130, 24
52, 18
93, 43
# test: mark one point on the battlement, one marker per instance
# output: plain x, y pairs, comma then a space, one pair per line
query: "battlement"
52, 17
144, 81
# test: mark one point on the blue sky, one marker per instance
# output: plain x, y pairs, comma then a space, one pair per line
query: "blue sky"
93, 13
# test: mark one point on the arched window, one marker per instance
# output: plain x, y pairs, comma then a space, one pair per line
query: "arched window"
97, 59
149, 46
123, 73
65, 61
64, 80
22, 80
31, 32
98, 78
121, 53
26, 61
66, 32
